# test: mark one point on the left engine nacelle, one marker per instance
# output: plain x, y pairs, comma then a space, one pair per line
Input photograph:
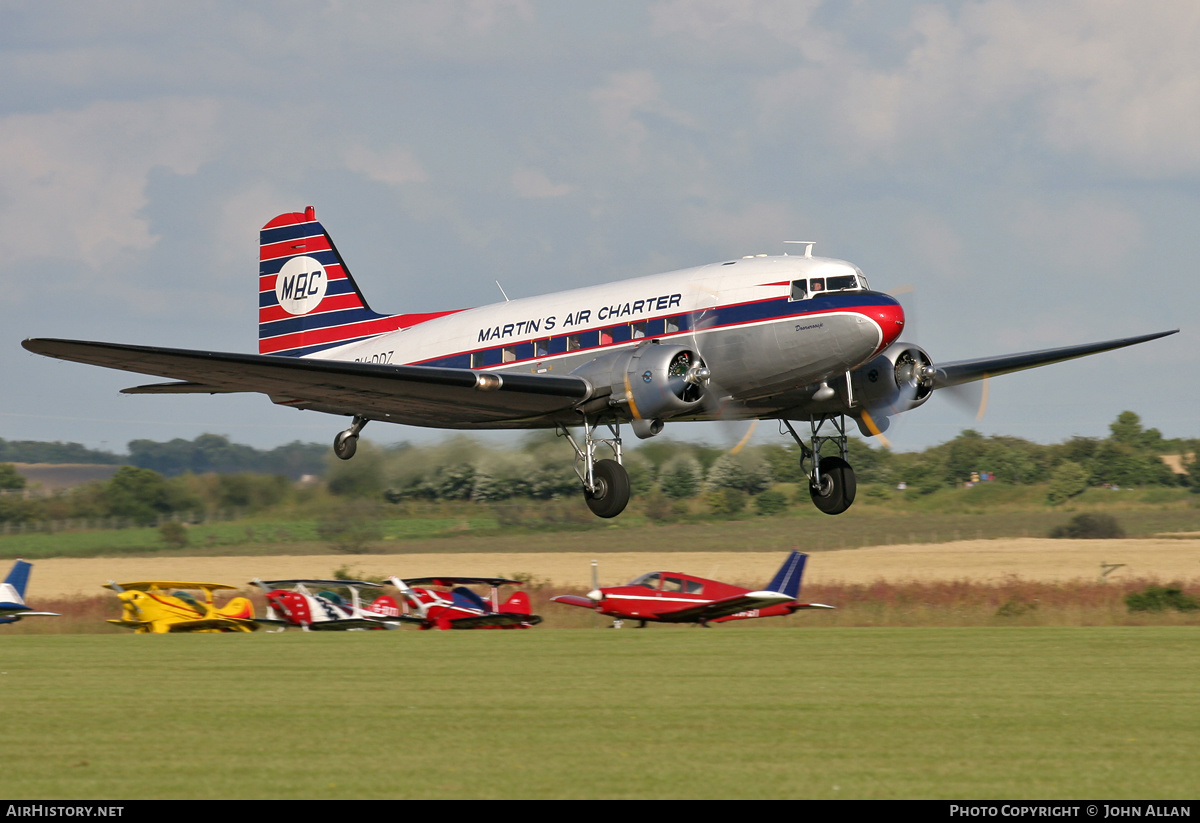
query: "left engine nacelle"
650, 383
899, 379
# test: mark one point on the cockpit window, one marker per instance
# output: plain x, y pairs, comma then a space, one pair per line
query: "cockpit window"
650, 581
813, 286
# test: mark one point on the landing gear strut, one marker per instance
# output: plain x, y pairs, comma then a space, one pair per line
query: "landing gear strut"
346, 442
831, 481
605, 482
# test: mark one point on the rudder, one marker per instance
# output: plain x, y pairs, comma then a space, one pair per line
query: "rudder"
307, 300
787, 579
18, 578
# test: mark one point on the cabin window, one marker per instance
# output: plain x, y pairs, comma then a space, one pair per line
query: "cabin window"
541, 348
572, 342
692, 587
509, 354
672, 325
637, 330
606, 337
649, 581
477, 360
672, 584
799, 290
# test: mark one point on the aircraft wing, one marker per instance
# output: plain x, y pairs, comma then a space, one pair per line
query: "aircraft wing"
414, 395
966, 371
727, 606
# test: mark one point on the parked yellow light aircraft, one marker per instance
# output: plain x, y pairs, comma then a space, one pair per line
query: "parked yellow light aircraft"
161, 606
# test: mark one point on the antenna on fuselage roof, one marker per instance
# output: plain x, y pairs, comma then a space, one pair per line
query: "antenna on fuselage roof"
506, 300
808, 244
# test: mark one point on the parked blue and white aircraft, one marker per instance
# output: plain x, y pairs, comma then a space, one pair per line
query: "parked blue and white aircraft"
12, 595
789, 338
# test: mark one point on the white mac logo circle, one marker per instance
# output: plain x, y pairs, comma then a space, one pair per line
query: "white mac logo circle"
300, 285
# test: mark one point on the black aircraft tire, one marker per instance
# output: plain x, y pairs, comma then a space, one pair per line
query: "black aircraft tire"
612, 489
838, 488
345, 444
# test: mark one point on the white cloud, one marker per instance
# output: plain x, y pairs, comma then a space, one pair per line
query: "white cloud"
73, 183
534, 183
1111, 82
394, 165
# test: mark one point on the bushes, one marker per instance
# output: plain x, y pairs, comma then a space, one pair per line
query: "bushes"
1161, 598
1089, 527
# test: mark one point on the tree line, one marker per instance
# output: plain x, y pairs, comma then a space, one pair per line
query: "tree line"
192, 478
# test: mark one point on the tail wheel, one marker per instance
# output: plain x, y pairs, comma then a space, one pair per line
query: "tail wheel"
611, 493
345, 444
835, 492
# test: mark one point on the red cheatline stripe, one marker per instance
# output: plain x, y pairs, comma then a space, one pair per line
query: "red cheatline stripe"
331, 334
333, 302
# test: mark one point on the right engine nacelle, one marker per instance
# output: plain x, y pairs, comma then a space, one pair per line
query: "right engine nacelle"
652, 382
899, 379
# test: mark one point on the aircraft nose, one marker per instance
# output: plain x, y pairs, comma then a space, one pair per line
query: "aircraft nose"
889, 314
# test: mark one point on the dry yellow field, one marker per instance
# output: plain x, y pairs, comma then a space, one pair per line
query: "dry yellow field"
982, 560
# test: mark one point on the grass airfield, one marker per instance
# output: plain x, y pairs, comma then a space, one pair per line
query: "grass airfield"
749, 711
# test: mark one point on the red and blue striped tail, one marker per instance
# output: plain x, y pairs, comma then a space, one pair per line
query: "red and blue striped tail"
307, 300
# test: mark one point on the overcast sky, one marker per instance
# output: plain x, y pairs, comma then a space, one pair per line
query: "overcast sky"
1030, 168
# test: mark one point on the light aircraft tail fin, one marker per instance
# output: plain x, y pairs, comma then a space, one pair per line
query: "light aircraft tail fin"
787, 579
517, 604
13, 588
238, 608
307, 300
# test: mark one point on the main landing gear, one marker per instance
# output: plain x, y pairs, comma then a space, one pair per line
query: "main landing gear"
605, 482
346, 442
831, 482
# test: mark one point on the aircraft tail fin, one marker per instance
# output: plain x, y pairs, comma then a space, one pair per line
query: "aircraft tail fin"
307, 300
787, 579
238, 608
12, 590
517, 604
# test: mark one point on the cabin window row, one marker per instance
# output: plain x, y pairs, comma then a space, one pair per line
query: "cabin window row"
593, 338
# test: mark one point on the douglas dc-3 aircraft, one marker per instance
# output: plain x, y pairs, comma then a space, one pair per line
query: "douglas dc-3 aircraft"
789, 338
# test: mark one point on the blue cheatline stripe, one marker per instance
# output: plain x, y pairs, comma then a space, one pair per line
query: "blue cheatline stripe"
315, 322
268, 237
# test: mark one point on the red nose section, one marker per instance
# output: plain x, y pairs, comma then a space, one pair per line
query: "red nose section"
890, 317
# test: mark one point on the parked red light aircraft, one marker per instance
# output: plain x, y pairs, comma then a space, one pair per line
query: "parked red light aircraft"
461, 608
790, 338
326, 610
671, 597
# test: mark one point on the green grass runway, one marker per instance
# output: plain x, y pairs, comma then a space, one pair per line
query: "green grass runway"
731, 712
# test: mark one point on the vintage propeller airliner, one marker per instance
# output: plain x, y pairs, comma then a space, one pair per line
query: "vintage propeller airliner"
794, 338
